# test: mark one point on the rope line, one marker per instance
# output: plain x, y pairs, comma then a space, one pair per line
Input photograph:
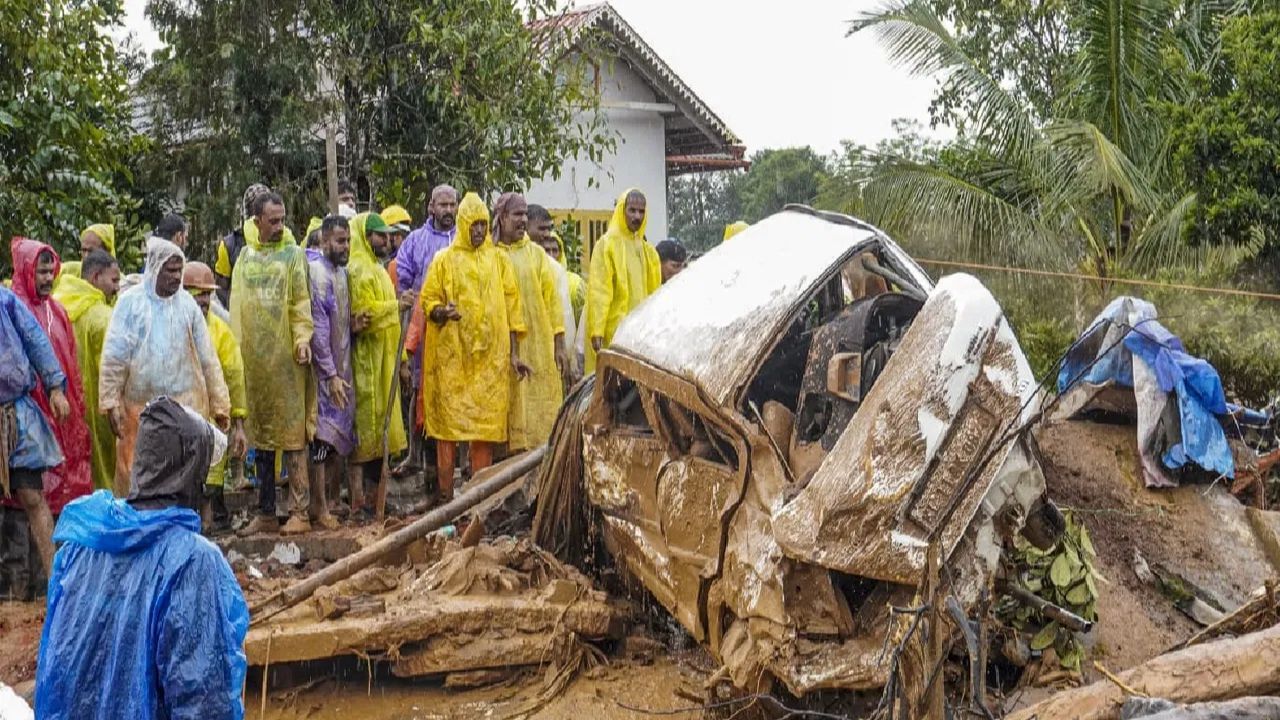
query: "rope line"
1123, 281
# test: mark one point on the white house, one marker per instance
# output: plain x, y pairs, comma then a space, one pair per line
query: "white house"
661, 126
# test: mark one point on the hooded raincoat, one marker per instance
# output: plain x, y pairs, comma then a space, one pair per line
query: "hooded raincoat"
145, 619
331, 352
271, 318
157, 346
90, 315
466, 364
624, 271
72, 478
577, 287
27, 361
232, 363
106, 233
374, 357
535, 402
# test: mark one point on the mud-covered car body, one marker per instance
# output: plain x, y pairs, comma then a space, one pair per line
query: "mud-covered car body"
778, 435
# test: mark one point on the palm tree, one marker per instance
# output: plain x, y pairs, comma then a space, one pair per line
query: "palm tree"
1084, 191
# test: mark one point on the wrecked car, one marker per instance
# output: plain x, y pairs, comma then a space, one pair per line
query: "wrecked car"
777, 438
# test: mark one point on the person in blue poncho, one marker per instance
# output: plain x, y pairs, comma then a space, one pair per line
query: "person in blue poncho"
145, 619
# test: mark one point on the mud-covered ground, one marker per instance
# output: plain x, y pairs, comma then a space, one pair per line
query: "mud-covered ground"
622, 688
20, 625
1091, 469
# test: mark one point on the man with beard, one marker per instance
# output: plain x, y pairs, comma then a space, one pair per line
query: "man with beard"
145, 619
413, 260
87, 297
535, 402
45, 485
331, 357
197, 279
418, 250
157, 344
472, 353
230, 246
271, 317
375, 358
624, 271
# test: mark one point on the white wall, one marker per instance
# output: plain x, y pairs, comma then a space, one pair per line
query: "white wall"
640, 159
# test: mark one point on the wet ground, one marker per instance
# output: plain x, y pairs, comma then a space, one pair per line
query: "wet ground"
619, 689
1090, 468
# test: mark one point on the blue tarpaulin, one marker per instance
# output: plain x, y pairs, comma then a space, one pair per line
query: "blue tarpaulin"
1192, 382
145, 619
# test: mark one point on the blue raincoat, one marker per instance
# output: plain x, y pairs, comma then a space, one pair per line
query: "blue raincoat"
145, 619
25, 351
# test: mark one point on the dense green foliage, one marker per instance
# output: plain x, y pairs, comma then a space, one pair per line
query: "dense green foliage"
1226, 142
458, 91
63, 120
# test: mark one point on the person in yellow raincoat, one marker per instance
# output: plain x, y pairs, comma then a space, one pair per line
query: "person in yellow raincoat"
471, 350
542, 232
197, 279
733, 229
624, 271
535, 403
94, 237
271, 318
375, 312
87, 301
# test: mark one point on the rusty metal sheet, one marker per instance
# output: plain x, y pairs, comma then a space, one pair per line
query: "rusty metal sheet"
957, 380
714, 321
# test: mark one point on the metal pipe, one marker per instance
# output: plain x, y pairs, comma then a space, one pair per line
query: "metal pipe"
872, 265
1065, 617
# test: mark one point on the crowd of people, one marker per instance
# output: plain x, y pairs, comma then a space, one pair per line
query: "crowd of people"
368, 340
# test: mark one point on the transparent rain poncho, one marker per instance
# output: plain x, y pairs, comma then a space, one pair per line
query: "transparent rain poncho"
157, 346
271, 317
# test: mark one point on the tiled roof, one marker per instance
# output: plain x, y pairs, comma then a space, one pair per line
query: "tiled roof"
704, 133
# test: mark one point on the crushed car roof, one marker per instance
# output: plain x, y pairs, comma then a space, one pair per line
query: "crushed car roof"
713, 321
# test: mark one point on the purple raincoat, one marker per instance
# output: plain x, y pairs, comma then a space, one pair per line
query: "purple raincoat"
412, 262
331, 351
417, 252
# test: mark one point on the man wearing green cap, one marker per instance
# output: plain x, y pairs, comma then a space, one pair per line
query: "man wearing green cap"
375, 312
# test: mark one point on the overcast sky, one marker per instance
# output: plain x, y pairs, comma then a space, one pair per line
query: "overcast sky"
779, 74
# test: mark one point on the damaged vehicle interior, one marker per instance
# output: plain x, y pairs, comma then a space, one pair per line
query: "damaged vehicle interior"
772, 496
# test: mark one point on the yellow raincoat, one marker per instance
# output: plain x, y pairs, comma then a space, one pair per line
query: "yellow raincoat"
535, 401
373, 354
466, 364
224, 343
624, 271
577, 288
106, 233
90, 315
271, 317
733, 229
